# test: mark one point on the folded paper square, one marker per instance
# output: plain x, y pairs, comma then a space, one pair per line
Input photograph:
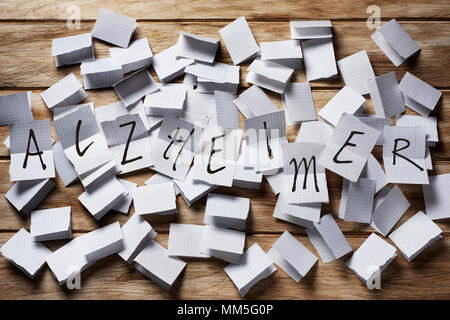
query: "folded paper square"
31, 150
239, 41
395, 42
255, 266
186, 240
404, 155
415, 235
25, 253
298, 102
435, 194
356, 70
67, 91
226, 211
311, 29
419, 95
386, 97
254, 102
223, 244
114, 28
328, 239
318, 56
348, 148
286, 52
389, 206
197, 47
269, 75
15, 107
292, 256
155, 199
28, 194
138, 55
347, 100
154, 263
373, 252
136, 234
51, 224
100, 73
100, 200
73, 49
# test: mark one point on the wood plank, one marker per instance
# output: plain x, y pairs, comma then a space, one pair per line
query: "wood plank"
102, 97
27, 60
260, 218
423, 278
214, 9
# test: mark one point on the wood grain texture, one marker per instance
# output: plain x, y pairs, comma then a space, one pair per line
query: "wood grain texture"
112, 278
27, 30
231, 9
27, 63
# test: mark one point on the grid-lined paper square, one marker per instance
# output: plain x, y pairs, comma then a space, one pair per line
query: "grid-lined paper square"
67, 91
197, 47
114, 28
318, 55
168, 66
396, 44
291, 256
328, 239
100, 73
254, 102
254, 266
269, 75
31, 150
154, 262
226, 211
357, 204
286, 52
404, 155
419, 95
225, 244
356, 70
298, 102
304, 179
347, 100
389, 207
386, 96
51, 224
27, 194
378, 123
415, 235
373, 252
26, 254
348, 148
239, 40
186, 240
155, 199
303, 214
136, 234
435, 194
101, 242
137, 56
311, 29
131, 89
429, 125
73, 49
15, 107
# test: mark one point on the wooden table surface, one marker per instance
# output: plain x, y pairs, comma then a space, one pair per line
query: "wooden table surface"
27, 28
